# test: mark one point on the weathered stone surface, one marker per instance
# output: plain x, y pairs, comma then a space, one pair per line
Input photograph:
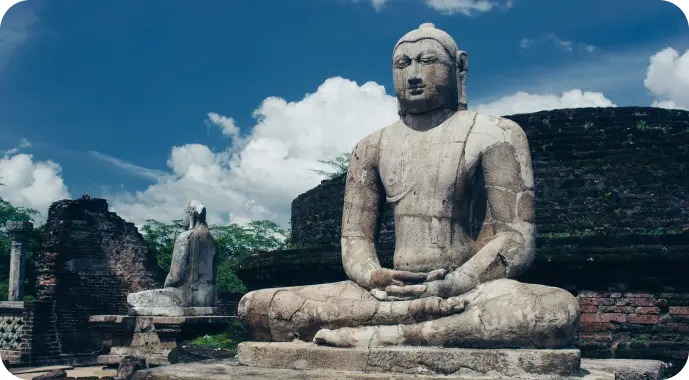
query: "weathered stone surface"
152, 338
411, 360
173, 311
128, 367
91, 260
230, 370
192, 353
54, 374
19, 234
191, 280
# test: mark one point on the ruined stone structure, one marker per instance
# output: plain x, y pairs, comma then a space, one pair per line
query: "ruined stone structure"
91, 260
19, 235
611, 217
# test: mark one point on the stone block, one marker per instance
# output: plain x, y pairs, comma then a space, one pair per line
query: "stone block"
173, 311
592, 369
411, 360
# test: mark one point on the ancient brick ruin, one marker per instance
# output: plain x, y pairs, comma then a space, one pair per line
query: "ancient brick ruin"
91, 260
613, 228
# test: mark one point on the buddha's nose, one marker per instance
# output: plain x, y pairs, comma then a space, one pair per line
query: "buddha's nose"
414, 81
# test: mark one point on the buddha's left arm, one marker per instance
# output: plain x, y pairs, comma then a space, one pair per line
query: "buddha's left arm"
178, 263
510, 191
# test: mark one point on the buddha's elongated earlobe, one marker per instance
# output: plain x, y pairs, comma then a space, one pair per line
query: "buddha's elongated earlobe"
462, 69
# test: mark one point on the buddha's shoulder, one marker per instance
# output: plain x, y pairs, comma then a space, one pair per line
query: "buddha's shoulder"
374, 139
493, 129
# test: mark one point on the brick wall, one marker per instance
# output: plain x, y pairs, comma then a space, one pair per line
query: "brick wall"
39, 338
91, 260
228, 302
635, 325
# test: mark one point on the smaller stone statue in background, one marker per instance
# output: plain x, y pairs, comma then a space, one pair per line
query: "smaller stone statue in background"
190, 285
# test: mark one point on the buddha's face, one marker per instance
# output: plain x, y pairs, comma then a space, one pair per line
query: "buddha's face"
424, 76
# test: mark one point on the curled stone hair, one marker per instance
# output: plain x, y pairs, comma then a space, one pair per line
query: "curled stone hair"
459, 57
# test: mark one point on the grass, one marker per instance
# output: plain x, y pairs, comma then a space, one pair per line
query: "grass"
227, 340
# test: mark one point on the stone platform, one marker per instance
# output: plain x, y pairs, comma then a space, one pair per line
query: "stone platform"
150, 337
592, 369
411, 360
173, 311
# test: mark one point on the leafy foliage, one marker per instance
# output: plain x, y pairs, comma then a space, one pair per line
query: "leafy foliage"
228, 340
235, 242
339, 164
9, 212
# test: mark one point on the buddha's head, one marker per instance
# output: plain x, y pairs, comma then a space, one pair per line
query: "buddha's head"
429, 72
194, 215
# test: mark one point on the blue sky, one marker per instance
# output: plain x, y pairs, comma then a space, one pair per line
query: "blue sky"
112, 98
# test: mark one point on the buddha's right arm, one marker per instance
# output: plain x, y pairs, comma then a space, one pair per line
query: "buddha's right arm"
363, 203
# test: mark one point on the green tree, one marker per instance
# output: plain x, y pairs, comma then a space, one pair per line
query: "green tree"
235, 243
339, 165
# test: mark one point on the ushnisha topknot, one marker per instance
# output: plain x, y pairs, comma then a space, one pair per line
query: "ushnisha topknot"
429, 31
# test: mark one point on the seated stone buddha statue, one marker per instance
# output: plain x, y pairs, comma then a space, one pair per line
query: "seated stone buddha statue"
190, 285
461, 187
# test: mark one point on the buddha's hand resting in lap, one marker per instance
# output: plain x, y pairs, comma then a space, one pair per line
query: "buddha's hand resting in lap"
415, 286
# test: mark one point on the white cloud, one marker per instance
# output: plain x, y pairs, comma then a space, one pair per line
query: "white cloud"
450, 7
129, 167
466, 7
557, 42
23, 144
667, 79
15, 31
29, 183
226, 124
259, 178
522, 102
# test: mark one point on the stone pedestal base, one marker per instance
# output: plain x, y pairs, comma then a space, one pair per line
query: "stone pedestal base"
591, 369
173, 311
150, 337
411, 360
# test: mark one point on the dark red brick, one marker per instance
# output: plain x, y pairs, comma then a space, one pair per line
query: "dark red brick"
647, 310
589, 309
679, 310
643, 319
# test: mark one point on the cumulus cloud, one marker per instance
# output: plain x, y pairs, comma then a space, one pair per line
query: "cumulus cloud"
30, 183
274, 163
522, 102
667, 79
226, 124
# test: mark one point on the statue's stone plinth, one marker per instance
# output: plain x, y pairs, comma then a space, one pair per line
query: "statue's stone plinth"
229, 369
150, 337
411, 360
173, 311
